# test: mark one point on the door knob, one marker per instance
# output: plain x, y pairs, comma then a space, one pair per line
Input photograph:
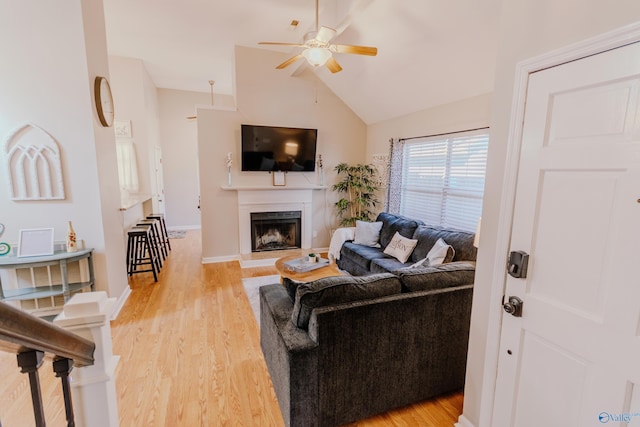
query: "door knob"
513, 306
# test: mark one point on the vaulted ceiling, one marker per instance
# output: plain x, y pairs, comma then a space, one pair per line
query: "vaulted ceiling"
430, 52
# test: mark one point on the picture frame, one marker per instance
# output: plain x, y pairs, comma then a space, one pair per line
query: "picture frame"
122, 128
279, 179
35, 242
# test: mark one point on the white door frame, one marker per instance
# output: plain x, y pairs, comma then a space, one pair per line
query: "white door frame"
610, 40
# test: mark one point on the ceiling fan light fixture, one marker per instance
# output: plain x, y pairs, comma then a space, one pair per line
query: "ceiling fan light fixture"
317, 56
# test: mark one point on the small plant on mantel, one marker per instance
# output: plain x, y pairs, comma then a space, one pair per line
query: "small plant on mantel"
359, 185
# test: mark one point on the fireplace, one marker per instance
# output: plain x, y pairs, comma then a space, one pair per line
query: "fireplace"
272, 231
273, 199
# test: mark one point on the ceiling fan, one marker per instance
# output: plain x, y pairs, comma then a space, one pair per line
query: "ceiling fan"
318, 49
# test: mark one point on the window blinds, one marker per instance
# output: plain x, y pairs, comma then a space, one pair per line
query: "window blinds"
443, 179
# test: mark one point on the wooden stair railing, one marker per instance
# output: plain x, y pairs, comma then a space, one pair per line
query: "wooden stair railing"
33, 340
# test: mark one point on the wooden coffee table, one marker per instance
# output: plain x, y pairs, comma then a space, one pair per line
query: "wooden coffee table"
328, 270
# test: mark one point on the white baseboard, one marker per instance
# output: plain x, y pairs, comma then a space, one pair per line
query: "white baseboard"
184, 227
214, 259
120, 302
463, 422
249, 263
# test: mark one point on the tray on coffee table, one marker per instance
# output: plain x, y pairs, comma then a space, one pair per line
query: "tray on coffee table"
301, 265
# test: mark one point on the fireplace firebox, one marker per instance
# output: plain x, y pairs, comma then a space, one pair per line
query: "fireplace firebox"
272, 231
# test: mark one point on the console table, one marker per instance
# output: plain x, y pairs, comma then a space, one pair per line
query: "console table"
60, 258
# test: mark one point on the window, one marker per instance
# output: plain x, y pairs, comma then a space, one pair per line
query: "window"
127, 165
443, 178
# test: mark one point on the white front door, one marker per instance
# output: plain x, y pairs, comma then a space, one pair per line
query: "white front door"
573, 358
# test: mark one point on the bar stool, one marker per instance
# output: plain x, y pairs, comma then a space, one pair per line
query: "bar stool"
140, 252
153, 244
156, 234
163, 228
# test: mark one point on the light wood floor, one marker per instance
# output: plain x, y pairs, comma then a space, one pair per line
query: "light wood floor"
190, 356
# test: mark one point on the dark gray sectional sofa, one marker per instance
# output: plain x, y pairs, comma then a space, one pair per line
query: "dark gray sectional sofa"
361, 260
345, 348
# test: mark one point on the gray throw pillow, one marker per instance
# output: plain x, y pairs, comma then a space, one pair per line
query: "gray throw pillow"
368, 233
340, 289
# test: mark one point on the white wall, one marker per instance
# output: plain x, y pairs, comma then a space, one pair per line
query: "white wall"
266, 96
470, 113
136, 99
51, 54
528, 28
179, 142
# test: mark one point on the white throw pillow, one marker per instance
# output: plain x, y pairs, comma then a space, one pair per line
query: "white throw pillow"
400, 247
368, 233
440, 253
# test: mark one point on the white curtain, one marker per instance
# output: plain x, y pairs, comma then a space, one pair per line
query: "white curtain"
394, 188
127, 166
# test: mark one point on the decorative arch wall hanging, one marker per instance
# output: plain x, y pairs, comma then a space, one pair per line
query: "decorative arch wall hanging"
33, 164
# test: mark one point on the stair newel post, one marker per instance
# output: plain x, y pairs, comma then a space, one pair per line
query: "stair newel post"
29, 362
88, 314
62, 368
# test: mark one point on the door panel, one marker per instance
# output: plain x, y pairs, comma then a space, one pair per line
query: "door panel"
572, 358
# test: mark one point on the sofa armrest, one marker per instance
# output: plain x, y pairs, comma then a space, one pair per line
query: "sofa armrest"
291, 358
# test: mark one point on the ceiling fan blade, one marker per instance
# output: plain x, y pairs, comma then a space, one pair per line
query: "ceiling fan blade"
289, 62
333, 65
358, 50
325, 34
281, 44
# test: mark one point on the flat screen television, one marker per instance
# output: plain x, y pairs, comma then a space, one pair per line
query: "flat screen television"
273, 148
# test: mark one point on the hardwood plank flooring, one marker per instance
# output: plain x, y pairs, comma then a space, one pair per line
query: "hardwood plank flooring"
190, 356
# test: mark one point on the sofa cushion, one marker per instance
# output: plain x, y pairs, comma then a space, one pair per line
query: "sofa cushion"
360, 255
340, 289
437, 277
400, 247
386, 264
395, 223
368, 233
428, 235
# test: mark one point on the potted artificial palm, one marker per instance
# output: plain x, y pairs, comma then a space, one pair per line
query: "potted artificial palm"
359, 187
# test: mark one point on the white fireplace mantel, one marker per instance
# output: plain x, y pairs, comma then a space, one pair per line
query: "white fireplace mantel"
274, 199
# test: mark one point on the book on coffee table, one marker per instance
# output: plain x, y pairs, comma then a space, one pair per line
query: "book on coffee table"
301, 265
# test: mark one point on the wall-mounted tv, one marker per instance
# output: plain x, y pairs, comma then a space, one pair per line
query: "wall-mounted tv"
272, 148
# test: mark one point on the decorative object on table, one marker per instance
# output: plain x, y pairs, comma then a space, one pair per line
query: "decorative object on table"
5, 248
33, 164
122, 128
279, 179
229, 162
35, 242
72, 245
359, 184
103, 100
312, 257
320, 171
